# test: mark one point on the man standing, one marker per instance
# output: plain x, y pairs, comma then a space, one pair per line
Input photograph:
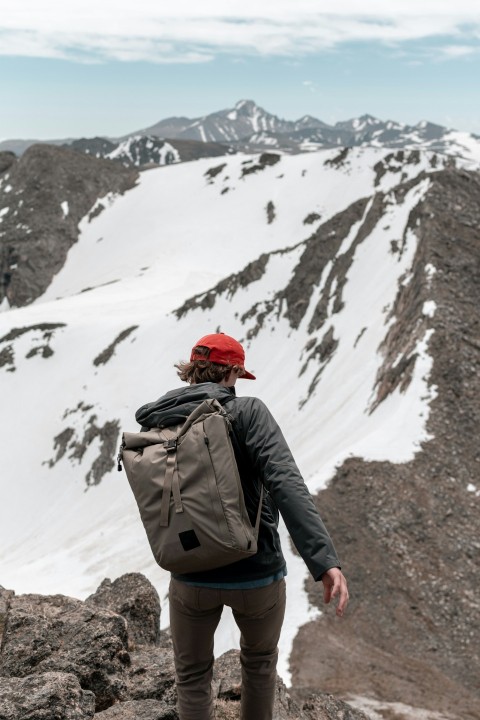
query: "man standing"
253, 587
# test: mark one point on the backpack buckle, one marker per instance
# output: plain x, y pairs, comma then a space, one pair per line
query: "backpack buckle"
170, 445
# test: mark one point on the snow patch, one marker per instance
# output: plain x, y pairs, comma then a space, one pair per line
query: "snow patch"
379, 710
429, 308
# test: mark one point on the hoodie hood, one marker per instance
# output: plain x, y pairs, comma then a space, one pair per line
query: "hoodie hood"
174, 407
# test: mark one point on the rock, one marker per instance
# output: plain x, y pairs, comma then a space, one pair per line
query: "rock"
139, 710
135, 598
7, 159
57, 633
152, 675
227, 676
45, 696
5, 598
318, 706
63, 659
322, 706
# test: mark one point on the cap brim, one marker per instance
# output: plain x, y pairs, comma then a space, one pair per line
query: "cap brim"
247, 376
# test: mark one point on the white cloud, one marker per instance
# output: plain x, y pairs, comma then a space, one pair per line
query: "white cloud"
197, 30
456, 51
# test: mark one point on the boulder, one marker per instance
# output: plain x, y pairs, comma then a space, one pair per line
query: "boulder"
135, 598
45, 696
60, 634
151, 675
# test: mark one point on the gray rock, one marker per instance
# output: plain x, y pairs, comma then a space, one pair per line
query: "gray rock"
322, 706
5, 598
139, 710
45, 696
227, 676
135, 598
57, 633
151, 675
317, 706
6, 160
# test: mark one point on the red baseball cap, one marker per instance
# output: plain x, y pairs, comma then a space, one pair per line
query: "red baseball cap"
224, 350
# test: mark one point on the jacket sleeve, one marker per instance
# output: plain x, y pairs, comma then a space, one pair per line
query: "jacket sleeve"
273, 461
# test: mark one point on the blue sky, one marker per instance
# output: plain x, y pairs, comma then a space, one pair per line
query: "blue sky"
87, 68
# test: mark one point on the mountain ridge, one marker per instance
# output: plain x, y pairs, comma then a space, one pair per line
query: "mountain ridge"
247, 127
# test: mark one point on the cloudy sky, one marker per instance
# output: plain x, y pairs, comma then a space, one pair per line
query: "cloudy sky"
72, 68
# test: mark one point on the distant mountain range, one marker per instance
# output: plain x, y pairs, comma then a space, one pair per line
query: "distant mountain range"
249, 128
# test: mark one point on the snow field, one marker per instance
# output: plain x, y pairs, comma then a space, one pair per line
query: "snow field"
172, 236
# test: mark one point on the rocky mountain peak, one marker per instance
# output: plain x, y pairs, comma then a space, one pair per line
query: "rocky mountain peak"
248, 108
247, 127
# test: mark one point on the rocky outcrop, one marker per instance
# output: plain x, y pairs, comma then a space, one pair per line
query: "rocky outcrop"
60, 634
43, 197
7, 159
105, 436
146, 151
63, 659
45, 696
109, 351
135, 599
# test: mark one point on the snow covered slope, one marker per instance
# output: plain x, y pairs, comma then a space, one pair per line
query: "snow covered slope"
326, 242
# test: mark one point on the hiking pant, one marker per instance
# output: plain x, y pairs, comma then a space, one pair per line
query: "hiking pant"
194, 615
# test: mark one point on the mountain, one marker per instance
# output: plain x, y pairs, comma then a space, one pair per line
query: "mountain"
43, 197
249, 128
352, 278
225, 126
143, 151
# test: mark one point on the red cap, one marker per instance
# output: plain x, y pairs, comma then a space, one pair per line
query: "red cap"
224, 350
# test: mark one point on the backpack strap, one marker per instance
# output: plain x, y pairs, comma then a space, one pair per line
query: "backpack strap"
171, 480
171, 484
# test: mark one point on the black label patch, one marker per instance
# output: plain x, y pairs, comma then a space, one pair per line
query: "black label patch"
189, 539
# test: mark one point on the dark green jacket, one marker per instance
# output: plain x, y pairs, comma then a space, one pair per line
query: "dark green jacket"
263, 457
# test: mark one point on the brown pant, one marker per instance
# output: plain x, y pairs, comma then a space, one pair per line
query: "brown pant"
194, 615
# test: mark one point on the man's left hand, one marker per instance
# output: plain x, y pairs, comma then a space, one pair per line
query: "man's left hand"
335, 585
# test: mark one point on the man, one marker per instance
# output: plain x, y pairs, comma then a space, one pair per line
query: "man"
253, 587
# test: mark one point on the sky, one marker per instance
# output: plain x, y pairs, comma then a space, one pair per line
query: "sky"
104, 67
